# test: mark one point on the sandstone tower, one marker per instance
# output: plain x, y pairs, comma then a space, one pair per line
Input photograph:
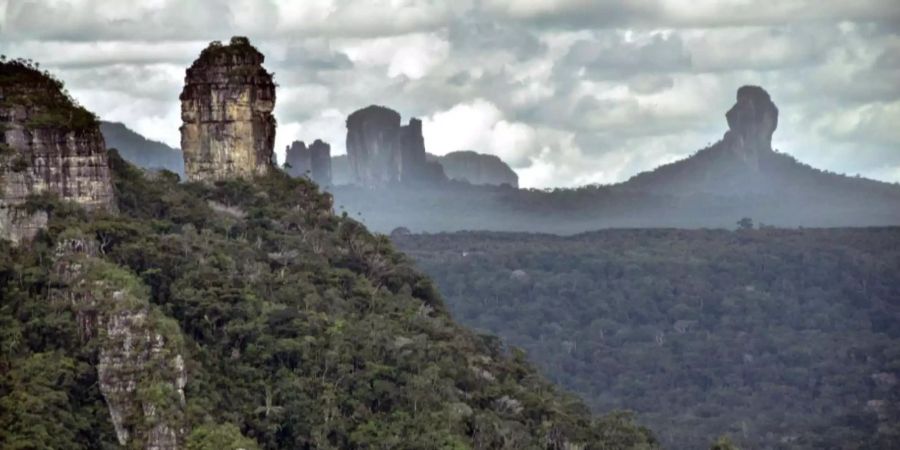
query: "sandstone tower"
382, 152
226, 107
49, 144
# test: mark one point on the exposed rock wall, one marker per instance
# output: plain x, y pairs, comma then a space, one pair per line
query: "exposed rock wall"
320, 161
751, 122
381, 152
226, 107
297, 161
47, 145
313, 162
140, 367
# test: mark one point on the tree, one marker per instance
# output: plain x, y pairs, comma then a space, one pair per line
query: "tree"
745, 224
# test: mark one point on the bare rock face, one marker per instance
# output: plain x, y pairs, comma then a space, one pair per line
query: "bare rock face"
477, 168
751, 123
226, 107
48, 144
320, 161
313, 162
382, 152
297, 161
140, 367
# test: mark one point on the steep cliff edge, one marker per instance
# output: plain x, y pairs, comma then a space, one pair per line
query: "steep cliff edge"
381, 152
48, 144
140, 367
226, 107
313, 162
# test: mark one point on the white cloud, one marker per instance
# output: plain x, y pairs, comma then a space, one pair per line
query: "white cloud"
412, 55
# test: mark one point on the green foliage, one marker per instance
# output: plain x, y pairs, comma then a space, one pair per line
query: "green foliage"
219, 437
299, 328
779, 338
23, 83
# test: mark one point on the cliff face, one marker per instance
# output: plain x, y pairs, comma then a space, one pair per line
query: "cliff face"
751, 122
47, 144
477, 168
297, 161
313, 162
382, 152
320, 162
226, 107
140, 366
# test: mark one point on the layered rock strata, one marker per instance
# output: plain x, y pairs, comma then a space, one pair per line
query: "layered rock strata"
228, 128
48, 144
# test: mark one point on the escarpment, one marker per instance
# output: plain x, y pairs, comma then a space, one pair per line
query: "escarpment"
48, 144
228, 128
140, 368
381, 152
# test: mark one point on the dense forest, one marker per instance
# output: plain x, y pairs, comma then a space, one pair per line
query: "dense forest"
780, 338
299, 329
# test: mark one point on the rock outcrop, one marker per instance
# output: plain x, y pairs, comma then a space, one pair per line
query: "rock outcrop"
226, 107
477, 168
140, 367
751, 122
381, 152
320, 162
48, 144
297, 161
313, 162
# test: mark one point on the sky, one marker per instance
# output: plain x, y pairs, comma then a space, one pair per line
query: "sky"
568, 92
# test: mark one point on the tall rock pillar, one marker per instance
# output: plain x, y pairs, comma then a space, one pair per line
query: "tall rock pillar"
226, 107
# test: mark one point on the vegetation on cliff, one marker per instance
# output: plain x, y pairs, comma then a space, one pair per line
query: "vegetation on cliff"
23, 84
780, 338
300, 329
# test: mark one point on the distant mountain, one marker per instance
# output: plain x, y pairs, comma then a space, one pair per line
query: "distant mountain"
744, 163
739, 176
476, 168
141, 151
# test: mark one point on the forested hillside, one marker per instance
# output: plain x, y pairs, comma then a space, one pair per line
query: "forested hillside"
298, 329
780, 338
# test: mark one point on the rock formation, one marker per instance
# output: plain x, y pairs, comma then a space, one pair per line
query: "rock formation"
381, 152
313, 162
320, 162
140, 367
297, 161
48, 144
751, 122
477, 168
226, 107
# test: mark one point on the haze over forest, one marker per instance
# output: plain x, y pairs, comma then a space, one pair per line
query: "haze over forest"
480, 224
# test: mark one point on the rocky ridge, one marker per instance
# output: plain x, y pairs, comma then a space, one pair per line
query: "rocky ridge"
48, 144
228, 128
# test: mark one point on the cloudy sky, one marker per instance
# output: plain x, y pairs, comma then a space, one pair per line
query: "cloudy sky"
568, 92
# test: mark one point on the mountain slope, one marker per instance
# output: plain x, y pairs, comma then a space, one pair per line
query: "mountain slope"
141, 151
300, 330
781, 338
